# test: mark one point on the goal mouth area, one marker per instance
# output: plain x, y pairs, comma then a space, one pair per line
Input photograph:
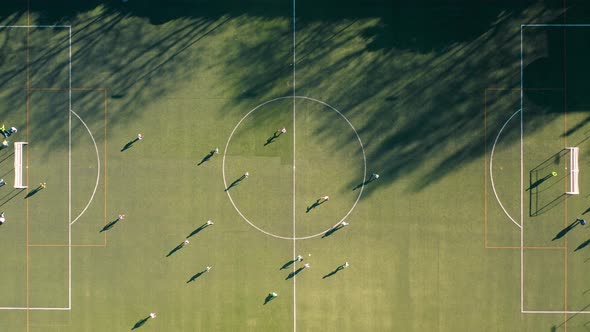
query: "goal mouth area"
574, 188
18, 165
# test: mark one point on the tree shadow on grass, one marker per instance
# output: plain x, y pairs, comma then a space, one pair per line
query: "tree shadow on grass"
475, 40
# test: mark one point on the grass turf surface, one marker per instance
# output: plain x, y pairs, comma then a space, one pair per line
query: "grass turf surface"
426, 102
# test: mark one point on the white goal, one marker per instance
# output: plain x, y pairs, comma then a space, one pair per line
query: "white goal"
18, 165
574, 189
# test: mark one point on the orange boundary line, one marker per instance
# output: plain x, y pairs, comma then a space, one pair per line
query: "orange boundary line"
104, 90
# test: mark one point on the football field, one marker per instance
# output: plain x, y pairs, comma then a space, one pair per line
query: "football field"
270, 165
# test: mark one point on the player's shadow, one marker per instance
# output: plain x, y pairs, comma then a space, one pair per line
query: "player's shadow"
109, 225
271, 139
294, 273
140, 323
268, 298
235, 183
314, 205
130, 144
207, 157
197, 230
364, 183
338, 269
539, 182
33, 192
333, 230
286, 265
178, 247
566, 230
196, 276
583, 245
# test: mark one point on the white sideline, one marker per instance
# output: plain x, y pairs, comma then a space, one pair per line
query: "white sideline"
294, 227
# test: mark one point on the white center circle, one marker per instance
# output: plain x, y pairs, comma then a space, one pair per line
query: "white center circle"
225, 181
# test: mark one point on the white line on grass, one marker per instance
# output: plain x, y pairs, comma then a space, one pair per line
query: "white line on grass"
521, 178
491, 169
522, 173
36, 26
97, 168
227, 148
69, 167
24, 308
294, 190
556, 25
553, 312
70, 178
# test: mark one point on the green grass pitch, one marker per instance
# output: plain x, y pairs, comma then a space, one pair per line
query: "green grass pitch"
464, 109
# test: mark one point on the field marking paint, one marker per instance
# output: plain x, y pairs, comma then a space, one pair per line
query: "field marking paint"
527, 248
28, 89
486, 163
565, 312
28, 110
70, 174
288, 237
38, 308
294, 176
554, 312
521, 174
104, 90
97, 168
556, 25
36, 26
492, 172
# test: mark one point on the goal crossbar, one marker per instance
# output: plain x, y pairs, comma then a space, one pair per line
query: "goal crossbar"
574, 189
18, 165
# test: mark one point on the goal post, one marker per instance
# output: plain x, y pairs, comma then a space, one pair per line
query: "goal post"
574, 189
18, 165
